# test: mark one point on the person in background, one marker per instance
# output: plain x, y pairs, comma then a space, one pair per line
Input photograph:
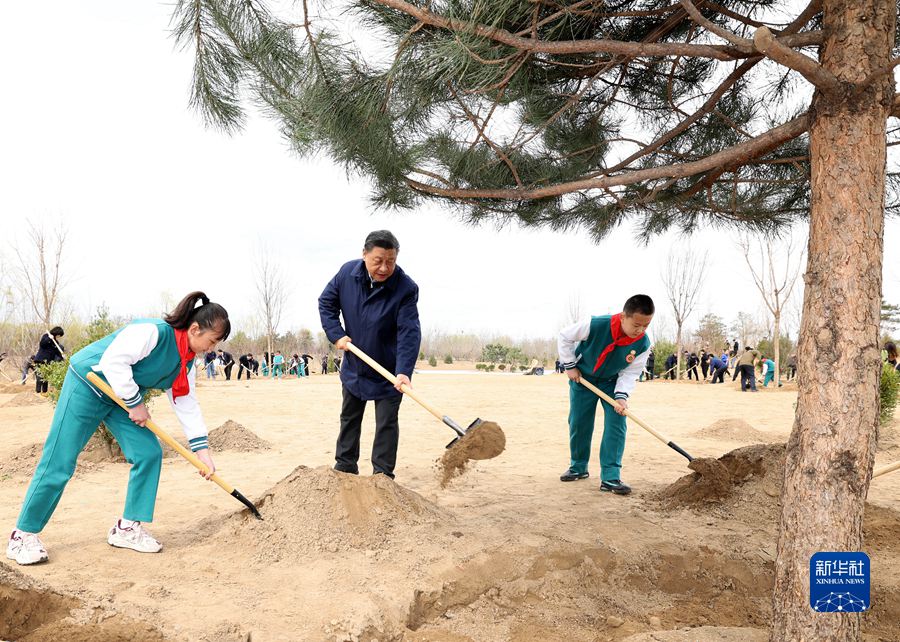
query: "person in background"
792, 367
244, 367
768, 370
227, 363
210, 362
692, 363
49, 350
747, 366
278, 365
891, 348
719, 366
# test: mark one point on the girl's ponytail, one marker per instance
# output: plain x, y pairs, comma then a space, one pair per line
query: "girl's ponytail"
209, 316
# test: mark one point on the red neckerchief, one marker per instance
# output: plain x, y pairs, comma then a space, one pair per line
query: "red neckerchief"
619, 339
181, 387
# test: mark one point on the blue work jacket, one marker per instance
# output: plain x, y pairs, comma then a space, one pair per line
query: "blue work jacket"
383, 322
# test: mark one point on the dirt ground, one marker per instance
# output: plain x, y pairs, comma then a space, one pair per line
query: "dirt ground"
506, 552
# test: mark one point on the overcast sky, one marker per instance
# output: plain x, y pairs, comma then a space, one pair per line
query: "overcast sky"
95, 129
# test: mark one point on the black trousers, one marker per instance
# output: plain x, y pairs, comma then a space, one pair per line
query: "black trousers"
387, 434
228, 372
705, 368
748, 377
693, 371
718, 375
243, 370
40, 385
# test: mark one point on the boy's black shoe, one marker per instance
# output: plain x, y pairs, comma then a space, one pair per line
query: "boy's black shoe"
616, 486
571, 475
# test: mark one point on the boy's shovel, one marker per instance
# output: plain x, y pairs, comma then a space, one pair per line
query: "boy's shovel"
605, 397
384, 372
177, 447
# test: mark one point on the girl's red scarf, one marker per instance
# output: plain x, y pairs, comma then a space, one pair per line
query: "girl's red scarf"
181, 387
619, 339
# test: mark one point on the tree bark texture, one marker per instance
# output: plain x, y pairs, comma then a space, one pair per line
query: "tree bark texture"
832, 446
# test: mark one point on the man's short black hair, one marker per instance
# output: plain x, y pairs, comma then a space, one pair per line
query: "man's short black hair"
748, 347
56, 331
639, 303
383, 239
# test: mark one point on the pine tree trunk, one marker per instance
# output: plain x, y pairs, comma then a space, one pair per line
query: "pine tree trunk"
832, 446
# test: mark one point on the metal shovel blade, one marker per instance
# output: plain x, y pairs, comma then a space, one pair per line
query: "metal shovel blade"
462, 433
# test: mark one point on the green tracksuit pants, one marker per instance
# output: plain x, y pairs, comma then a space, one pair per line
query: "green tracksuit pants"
78, 413
582, 412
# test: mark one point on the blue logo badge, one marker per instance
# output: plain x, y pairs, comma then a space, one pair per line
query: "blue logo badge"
839, 582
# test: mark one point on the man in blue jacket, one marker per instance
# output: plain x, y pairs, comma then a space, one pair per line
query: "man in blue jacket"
378, 302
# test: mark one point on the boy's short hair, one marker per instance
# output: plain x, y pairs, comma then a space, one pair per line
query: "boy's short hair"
639, 303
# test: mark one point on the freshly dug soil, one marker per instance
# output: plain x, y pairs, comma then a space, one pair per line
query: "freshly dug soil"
21, 462
233, 436
26, 398
732, 430
484, 441
31, 613
320, 509
14, 388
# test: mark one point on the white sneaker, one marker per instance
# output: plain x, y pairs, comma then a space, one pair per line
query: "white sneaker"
26, 548
134, 537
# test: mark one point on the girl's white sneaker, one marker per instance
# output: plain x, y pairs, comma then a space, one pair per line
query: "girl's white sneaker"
26, 548
134, 537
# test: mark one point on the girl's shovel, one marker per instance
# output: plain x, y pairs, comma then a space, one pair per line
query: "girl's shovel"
384, 372
177, 447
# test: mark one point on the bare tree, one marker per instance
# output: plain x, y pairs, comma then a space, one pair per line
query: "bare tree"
39, 274
683, 280
775, 282
271, 291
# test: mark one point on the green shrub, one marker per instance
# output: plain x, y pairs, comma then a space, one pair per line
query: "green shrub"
421, 356
890, 383
448, 358
491, 367
432, 361
481, 366
661, 351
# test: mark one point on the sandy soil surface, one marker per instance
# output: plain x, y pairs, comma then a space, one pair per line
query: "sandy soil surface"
505, 552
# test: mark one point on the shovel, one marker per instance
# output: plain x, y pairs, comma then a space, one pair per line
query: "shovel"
668, 442
384, 372
884, 470
177, 447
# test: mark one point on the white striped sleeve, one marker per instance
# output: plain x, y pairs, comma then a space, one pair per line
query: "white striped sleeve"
568, 340
133, 343
187, 409
629, 376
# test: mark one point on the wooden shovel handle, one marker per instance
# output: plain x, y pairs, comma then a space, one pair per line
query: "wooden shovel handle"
587, 384
162, 434
384, 372
884, 470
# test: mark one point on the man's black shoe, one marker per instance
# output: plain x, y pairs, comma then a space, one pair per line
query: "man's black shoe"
616, 486
571, 475
349, 471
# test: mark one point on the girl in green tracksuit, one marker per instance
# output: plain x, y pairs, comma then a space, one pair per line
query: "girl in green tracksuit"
609, 352
145, 354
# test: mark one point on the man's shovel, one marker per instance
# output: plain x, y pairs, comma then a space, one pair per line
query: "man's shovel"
384, 372
177, 447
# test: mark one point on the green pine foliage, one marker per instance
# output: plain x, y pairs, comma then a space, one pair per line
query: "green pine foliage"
455, 109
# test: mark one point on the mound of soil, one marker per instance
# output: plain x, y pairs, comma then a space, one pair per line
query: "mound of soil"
31, 613
484, 441
13, 388
98, 451
732, 430
320, 509
747, 478
26, 398
233, 436
21, 462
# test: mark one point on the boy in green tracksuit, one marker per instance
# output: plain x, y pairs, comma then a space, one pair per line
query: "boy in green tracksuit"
609, 352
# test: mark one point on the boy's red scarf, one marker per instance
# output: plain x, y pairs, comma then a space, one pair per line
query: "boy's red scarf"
181, 387
619, 339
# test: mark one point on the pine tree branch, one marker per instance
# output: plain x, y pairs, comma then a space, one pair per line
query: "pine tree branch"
767, 44
742, 44
599, 45
732, 157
